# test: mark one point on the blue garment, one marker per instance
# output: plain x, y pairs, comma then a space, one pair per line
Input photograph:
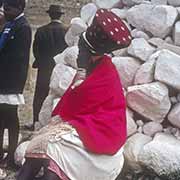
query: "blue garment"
6, 33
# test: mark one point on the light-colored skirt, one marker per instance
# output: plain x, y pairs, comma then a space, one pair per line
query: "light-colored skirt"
61, 143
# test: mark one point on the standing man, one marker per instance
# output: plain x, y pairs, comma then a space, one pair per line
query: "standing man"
15, 42
49, 41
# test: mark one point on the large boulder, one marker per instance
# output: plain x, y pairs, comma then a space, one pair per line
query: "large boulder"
167, 69
132, 149
131, 125
88, 12
162, 155
177, 33
20, 153
127, 67
145, 74
151, 128
76, 28
150, 100
105, 3
161, 18
174, 115
134, 2
141, 49
61, 78
174, 2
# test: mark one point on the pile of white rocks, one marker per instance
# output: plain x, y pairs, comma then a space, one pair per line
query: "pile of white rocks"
150, 72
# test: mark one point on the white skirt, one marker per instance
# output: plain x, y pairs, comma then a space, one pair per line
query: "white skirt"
79, 164
12, 99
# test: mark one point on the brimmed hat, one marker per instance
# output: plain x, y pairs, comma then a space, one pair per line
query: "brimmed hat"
15, 3
55, 9
107, 33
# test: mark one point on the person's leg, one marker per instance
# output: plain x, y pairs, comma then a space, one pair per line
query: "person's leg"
41, 90
13, 131
1, 130
30, 169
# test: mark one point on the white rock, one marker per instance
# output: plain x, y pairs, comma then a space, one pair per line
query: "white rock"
177, 33
140, 123
149, 100
127, 67
130, 112
139, 34
162, 155
70, 56
161, 45
105, 3
174, 2
59, 58
158, 2
140, 130
151, 128
160, 18
157, 42
70, 39
131, 125
133, 2
133, 147
167, 69
61, 78
140, 48
178, 97
87, 12
174, 115
46, 111
120, 52
77, 27
122, 13
20, 153
145, 74
169, 40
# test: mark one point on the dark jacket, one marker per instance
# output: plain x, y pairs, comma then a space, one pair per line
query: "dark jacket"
14, 59
49, 41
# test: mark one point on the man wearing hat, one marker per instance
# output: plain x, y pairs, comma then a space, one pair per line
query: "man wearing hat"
49, 41
86, 142
15, 42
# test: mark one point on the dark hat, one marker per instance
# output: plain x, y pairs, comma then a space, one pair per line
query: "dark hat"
55, 9
15, 3
107, 32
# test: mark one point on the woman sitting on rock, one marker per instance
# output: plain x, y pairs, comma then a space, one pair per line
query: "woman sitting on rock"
85, 140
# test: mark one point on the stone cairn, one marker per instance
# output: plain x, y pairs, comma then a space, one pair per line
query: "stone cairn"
150, 73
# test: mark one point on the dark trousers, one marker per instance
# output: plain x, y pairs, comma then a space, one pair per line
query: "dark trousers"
41, 90
32, 166
9, 119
